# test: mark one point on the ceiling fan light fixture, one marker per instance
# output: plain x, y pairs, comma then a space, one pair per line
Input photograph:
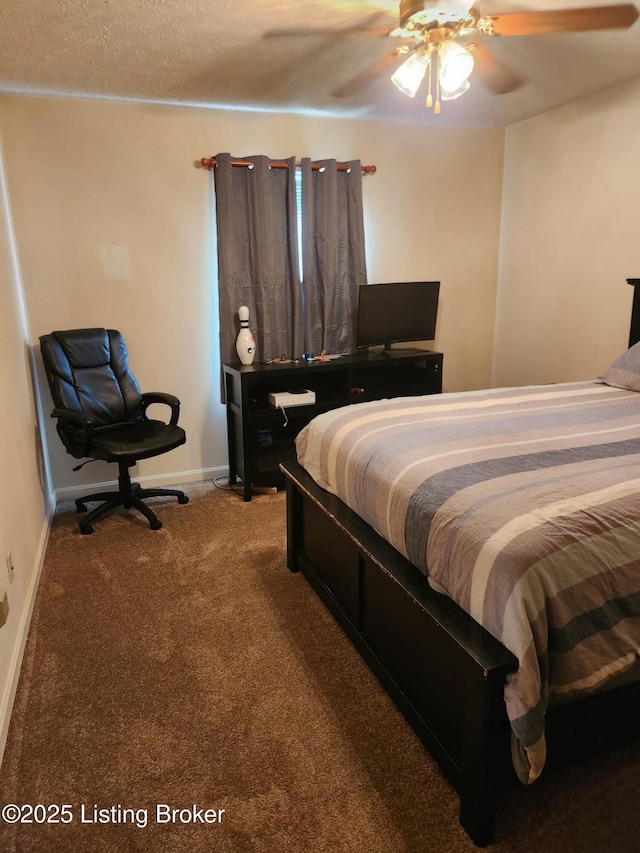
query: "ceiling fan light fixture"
410, 74
436, 26
456, 65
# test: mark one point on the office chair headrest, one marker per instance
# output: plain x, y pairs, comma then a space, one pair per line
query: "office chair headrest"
88, 371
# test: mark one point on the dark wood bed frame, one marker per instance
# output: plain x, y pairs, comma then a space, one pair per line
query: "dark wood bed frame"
443, 670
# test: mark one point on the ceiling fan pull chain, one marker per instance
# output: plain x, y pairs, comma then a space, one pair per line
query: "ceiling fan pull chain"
436, 109
429, 96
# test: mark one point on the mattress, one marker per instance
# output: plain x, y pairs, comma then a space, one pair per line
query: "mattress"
523, 506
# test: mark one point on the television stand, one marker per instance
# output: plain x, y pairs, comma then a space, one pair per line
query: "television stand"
261, 436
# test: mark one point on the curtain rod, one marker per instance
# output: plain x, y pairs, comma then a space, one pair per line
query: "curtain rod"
211, 162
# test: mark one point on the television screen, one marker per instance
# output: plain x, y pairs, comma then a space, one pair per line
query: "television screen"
392, 313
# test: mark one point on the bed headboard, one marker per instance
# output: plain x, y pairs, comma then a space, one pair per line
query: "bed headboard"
634, 332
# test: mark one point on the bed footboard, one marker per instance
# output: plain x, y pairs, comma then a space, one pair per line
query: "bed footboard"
443, 670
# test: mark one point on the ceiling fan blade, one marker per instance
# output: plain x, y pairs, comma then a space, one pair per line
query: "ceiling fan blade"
324, 31
364, 78
493, 73
564, 20
364, 28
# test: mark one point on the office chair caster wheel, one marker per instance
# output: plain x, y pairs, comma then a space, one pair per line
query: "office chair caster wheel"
184, 499
80, 507
86, 529
155, 525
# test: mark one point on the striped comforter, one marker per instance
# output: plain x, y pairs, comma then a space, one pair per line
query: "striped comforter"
522, 505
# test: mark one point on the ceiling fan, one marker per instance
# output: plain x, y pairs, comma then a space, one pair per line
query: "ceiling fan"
441, 42
445, 40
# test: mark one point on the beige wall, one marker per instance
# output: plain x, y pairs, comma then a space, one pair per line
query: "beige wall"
26, 499
115, 227
571, 215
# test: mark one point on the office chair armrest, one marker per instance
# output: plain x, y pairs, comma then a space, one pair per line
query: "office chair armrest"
150, 397
78, 419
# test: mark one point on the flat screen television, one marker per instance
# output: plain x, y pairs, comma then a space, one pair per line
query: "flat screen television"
395, 313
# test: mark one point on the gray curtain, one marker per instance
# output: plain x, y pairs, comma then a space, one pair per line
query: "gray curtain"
258, 256
333, 254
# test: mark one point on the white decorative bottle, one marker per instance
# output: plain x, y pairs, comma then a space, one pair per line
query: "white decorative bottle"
245, 342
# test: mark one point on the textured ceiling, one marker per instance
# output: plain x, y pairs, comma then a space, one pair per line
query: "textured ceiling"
220, 52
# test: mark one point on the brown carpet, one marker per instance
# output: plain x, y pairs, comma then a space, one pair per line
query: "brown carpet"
188, 667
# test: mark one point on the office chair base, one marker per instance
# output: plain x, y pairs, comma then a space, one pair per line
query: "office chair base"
129, 496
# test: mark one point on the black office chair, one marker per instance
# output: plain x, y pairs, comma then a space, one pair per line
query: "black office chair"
101, 414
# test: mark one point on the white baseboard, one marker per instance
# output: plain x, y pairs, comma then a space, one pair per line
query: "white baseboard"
9, 695
70, 493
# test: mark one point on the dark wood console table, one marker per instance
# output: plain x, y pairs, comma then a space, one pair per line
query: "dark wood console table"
261, 436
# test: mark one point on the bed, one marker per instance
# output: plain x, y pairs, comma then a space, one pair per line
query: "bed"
482, 551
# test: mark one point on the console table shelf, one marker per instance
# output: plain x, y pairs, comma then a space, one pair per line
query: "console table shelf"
260, 436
